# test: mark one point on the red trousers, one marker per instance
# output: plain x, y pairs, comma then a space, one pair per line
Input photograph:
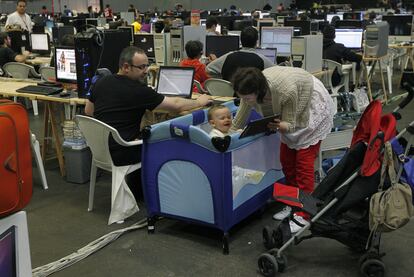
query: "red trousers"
299, 166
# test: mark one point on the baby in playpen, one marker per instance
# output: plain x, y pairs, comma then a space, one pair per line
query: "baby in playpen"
219, 117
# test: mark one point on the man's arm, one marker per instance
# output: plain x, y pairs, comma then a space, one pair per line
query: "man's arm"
214, 68
89, 108
21, 58
176, 104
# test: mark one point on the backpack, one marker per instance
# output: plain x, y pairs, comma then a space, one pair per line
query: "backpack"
100, 72
15, 158
392, 208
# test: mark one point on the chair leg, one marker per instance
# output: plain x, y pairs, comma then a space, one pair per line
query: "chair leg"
38, 158
35, 108
92, 186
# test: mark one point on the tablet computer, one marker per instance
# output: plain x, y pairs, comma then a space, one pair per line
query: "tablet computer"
258, 126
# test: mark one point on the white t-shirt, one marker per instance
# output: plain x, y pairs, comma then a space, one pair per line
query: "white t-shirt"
217, 133
24, 21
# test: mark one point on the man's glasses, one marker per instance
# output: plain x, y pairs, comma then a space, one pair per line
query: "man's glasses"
142, 66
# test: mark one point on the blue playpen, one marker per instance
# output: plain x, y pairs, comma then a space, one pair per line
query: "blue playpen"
218, 182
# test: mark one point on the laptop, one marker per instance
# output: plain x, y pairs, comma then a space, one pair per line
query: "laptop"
175, 81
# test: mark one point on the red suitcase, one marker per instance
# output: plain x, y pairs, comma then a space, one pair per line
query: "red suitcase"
15, 158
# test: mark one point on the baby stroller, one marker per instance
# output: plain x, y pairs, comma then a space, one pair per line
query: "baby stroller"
338, 208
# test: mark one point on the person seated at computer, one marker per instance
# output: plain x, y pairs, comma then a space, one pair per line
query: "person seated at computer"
67, 11
280, 8
267, 7
227, 64
233, 11
146, 25
44, 12
20, 17
108, 11
211, 26
337, 52
194, 50
7, 54
120, 100
334, 20
137, 25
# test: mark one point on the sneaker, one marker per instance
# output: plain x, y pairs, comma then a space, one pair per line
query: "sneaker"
283, 213
294, 228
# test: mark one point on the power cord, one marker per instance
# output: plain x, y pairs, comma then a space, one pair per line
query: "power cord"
85, 251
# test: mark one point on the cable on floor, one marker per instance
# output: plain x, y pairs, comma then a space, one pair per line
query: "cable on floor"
84, 252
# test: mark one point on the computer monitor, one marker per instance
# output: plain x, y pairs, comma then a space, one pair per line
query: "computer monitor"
270, 53
239, 25
14, 246
40, 43
203, 22
351, 38
279, 38
129, 29
352, 16
330, 16
348, 24
59, 32
220, 45
304, 25
400, 26
129, 17
65, 64
265, 23
175, 81
92, 21
146, 43
318, 17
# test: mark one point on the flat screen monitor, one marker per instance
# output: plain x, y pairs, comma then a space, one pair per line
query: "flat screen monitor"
129, 17
351, 38
352, 16
92, 21
279, 38
65, 64
239, 25
14, 246
40, 43
175, 81
220, 45
59, 32
304, 25
317, 16
130, 30
146, 43
330, 16
269, 53
348, 24
400, 25
265, 23
203, 22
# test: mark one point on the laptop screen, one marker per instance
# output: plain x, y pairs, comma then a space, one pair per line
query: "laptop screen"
175, 81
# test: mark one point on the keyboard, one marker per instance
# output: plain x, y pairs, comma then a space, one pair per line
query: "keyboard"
40, 90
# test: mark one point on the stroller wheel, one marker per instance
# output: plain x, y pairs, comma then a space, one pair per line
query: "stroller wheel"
278, 237
268, 240
282, 262
373, 268
267, 265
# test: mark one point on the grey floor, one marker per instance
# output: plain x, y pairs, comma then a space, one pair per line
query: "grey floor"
59, 224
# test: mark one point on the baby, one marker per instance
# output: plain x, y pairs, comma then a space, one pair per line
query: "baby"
219, 117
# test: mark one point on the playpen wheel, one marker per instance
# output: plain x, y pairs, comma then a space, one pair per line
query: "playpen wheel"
268, 240
373, 268
267, 265
367, 256
277, 237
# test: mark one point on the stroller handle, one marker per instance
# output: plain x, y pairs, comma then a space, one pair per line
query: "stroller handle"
409, 97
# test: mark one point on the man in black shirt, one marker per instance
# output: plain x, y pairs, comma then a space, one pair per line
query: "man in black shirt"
7, 54
121, 100
337, 52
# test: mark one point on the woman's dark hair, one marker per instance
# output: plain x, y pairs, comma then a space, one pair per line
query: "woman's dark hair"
247, 80
211, 20
193, 48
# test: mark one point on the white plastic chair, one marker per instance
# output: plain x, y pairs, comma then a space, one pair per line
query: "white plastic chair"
199, 87
344, 83
38, 158
47, 73
96, 133
22, 71
219, 87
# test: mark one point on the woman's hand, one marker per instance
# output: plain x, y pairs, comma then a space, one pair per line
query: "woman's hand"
278, 125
